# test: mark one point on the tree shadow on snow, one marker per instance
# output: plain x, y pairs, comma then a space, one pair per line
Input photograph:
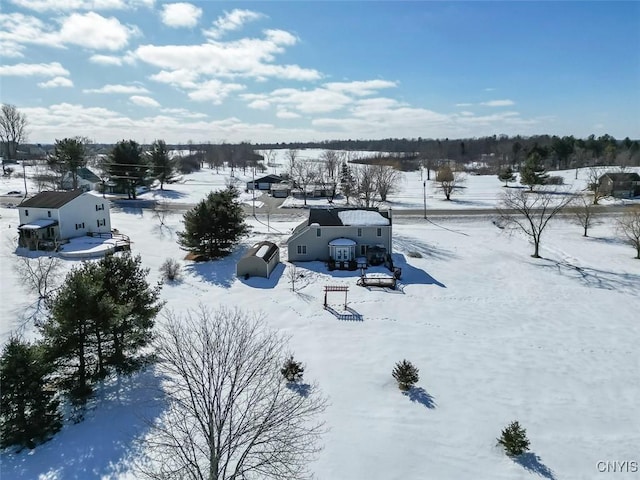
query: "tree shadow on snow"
302, 389
410, 244
103, 443
220, 272
421, 396
412, 275
532, 463
595, 278
166, 193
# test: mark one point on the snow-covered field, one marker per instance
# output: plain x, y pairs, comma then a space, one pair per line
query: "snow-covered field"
498, 336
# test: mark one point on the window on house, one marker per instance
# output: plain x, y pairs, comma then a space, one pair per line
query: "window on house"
363, 249
379, 232
359, 232
318, 232
82, 225
302, 249
100, 207
49, 213
26, 213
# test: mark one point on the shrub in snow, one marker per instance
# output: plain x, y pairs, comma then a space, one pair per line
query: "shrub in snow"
292, 370
514, 440
171, 270
415, 254
406, 374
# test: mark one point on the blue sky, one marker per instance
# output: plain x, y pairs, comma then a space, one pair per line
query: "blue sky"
292, 70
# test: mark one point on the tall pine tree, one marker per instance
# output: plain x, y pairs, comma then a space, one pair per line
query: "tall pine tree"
28, 407
163, 167
214, 225
533, 172
127, 167
100, 320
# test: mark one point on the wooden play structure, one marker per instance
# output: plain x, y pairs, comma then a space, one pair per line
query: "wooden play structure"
335, 288
347, 313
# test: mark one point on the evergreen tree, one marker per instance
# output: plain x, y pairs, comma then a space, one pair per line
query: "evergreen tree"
69, 156
347, 181
292, 371
127, 167
133, 305
68, 334
406, 374
514, 440
163, 167
214, 225
533, 172
100, 320
506, 175
28, 408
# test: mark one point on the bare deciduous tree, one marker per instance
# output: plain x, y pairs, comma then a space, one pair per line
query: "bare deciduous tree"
230, 412
448, 180
593, 184
332, 160
387, 181
531, 212
366, 187
40, 275
13, 131
585, 213
303, 173
629, 228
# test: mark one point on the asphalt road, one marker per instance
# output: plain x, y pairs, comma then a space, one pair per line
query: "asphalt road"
272, 207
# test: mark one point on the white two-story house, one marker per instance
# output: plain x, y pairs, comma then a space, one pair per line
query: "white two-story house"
342, 235
53, 217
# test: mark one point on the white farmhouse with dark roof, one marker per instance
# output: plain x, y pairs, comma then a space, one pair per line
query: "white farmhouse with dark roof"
52, 217
343, 236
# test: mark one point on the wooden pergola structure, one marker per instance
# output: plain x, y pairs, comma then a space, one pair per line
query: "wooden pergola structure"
335, 288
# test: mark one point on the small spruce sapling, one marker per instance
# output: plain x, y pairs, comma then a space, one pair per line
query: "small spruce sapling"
406, 374
514, 440
292, 370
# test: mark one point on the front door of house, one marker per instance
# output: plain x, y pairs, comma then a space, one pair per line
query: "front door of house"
342, 254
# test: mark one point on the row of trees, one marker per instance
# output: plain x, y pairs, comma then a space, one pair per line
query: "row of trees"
99, 321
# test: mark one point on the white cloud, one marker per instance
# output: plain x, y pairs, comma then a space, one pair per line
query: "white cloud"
144, 101
231, 21
466, 113
248, 57
11, 49
93, 31
213, 91
126, 89
360, 88
462, 105
498, 103
113, 60
70, 5
178, 78
176, 15
53, 69
329, 97
183, 112
56, 82
286, 114
88, 30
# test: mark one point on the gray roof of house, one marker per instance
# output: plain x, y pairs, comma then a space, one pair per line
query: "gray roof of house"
272, 248
51, 199
622, 176
268, 179
328, 217
88, 175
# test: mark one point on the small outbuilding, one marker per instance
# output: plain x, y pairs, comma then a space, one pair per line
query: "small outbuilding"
259, 261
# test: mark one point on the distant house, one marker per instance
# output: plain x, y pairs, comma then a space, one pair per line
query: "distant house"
259, 261
52, 217
87, 180
343, 235
620, 185
264, 183
280, 190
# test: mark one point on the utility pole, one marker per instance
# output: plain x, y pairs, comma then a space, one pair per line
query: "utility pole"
424, 197
24, 176
253, 191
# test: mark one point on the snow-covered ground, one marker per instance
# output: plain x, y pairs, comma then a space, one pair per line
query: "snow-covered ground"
497, 335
